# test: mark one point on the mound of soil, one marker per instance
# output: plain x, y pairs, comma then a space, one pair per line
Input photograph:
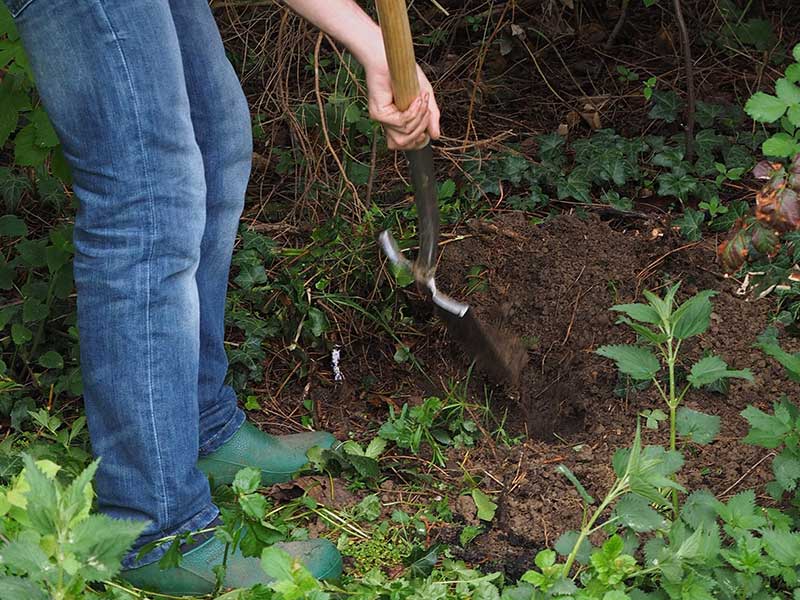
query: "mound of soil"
552, 285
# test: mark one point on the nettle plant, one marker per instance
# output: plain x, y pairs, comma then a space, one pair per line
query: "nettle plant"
662, 328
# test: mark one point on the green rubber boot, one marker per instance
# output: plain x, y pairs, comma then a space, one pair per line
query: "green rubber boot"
195, 577
278, 456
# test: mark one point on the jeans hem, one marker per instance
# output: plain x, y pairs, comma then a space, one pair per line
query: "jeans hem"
225, 433
200, 521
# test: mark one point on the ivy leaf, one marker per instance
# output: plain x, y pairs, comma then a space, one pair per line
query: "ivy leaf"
666, 105
765, 108
690, 223
693, 316
638, 363
486, 508
696, 426
712, 368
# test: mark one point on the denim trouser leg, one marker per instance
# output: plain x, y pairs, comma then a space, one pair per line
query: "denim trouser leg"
112, 76
222, 127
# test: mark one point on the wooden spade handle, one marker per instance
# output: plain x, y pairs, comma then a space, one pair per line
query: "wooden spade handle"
393, 18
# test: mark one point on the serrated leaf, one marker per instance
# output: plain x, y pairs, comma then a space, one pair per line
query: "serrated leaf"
786, 468
783, 546
696, 426
765, 108
640, 312
780, 145
247, 480
635, 512
566, 543
711, 369
693, 316
638, 363
486, 508
791, 362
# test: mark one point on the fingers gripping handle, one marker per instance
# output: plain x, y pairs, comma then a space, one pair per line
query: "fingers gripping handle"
396, 30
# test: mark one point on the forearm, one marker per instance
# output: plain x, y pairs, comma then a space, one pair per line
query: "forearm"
348, 23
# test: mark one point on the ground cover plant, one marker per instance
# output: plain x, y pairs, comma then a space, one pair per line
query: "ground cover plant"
652, 448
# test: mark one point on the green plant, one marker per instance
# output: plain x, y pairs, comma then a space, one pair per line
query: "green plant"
783, 107
55, 547
781, 429
663, 327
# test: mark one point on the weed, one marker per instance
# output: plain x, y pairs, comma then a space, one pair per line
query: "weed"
663, 327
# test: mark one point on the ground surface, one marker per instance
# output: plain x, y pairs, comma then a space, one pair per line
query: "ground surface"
552, 285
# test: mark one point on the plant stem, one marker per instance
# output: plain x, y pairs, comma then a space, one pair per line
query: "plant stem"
618, 488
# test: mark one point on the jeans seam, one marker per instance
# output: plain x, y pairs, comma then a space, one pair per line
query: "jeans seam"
151, 201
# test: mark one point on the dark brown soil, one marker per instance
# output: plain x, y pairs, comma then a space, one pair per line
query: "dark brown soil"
551, 285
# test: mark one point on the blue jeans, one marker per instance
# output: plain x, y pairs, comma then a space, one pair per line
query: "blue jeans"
156, 130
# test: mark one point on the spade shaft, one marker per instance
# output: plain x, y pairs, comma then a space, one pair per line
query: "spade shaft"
502, 359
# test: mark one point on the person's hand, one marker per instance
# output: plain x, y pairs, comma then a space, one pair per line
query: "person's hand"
405, 130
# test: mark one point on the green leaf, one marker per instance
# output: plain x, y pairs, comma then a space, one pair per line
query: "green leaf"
100, 543
51, 360
20, 334
566, 543
766, 430
787, 91
666, 105
253, 505
765, 108
786, 468
791, 362
12, 226
247, 480
635, 512
711, 369
27, 153
566, 472
696, 426
793, 73
741, 511
638, 363
19, 588
486, 508
781, 145
693, 316
690, 223
783, 546
640, 312
319, 322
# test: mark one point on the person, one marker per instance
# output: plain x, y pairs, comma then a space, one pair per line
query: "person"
156, 130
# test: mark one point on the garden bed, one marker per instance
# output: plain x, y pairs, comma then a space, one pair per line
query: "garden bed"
552, 284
